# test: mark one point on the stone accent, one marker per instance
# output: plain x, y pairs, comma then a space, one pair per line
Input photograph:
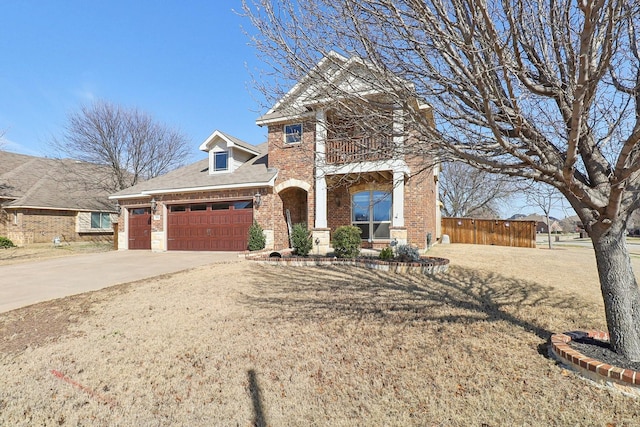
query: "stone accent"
400, 234
321, 240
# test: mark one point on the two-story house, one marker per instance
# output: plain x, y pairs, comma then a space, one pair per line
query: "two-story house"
321, 166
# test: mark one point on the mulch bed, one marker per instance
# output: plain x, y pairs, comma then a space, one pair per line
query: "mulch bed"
601, 351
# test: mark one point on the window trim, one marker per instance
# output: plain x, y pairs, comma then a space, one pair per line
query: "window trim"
371, 222
287, 132
102, 217
215, 159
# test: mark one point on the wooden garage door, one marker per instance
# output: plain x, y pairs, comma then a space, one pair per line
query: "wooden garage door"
209, 226
140, 228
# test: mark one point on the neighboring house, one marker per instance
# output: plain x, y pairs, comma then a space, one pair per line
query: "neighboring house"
42, 199
307, 172
542, 226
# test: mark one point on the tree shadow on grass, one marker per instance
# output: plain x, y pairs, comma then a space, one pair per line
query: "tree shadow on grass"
462, 295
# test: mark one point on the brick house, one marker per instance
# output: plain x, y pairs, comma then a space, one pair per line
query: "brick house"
42, 199
313, 170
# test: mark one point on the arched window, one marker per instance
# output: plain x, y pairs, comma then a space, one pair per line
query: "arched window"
371, 212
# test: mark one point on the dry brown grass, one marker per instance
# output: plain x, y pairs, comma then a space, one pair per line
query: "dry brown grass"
249, 344
38, 251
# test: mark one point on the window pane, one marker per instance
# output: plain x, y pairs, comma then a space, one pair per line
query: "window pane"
293, 133
219, 206
242, 205
360, 206
198, 208
365, 231
381, 230
221, 160
178, 208
382, 206
106, 221
95, 219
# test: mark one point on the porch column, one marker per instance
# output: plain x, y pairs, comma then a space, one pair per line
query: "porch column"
398, 199
321, 183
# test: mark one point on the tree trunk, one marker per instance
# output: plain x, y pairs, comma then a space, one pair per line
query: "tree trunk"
619, 289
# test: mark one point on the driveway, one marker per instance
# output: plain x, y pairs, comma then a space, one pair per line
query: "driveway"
31, 282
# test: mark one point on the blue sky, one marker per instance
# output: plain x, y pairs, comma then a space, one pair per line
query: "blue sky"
185, 63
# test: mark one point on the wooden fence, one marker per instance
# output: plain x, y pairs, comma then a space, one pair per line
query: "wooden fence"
498, 232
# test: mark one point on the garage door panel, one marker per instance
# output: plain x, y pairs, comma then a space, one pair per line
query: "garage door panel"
219, 227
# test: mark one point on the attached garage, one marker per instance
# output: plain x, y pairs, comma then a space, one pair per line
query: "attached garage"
219, 226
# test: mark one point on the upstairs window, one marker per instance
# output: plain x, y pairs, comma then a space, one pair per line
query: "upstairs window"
221, 161
101, 220
293, 133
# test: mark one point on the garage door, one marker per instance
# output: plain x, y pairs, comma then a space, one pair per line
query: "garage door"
140, 228
209, 226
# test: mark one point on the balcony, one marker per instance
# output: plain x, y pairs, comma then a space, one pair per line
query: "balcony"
352, 150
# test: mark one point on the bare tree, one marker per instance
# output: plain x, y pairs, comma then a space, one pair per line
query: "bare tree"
544, 90
469, 192
128, 141
546, 198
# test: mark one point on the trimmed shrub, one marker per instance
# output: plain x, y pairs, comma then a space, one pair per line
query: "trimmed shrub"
346, 241
301, 239
407, 253
257, 239
386, 253
5, 242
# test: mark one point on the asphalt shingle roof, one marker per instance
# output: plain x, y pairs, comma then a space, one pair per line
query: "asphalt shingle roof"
196, 175
64, 184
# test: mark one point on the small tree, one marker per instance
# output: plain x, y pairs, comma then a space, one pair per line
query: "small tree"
257, 239
346, 241
301, 239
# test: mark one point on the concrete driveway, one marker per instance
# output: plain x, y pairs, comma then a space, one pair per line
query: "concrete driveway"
31, 282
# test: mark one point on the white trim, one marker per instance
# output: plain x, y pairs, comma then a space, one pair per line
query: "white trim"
217, 134
285, 118
395, 165
148, 193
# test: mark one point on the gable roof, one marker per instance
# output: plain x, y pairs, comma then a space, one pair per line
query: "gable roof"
334, 74
231, 141
195, 177
43, 183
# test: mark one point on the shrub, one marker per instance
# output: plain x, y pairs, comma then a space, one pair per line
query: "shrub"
386, 253
346, 241
257, 239
301, 239
5, 242
407, 253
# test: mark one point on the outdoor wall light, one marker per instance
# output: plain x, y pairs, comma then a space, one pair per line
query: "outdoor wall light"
118, 207
154, 205
257, 200
338, 201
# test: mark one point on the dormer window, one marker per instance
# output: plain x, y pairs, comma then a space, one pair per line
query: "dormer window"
293, 133
220, 161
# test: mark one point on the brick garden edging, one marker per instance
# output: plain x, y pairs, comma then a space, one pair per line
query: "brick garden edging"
625, 380
428, 265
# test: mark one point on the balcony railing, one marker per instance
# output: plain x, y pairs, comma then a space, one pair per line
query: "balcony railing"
359, 150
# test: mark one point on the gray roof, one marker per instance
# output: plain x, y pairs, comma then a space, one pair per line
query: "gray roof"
248, 147
195, 176
62, 184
